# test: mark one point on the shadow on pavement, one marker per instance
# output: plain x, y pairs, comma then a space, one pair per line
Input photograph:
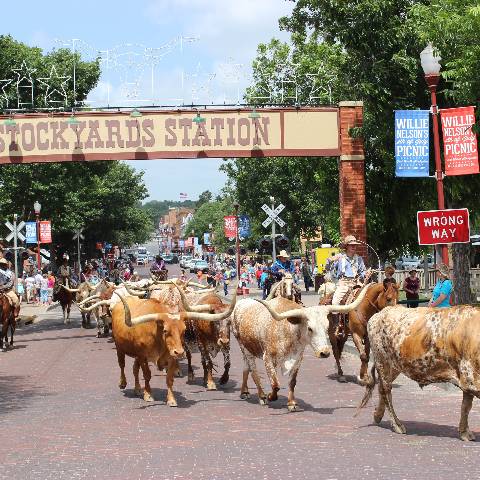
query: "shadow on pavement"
16, 394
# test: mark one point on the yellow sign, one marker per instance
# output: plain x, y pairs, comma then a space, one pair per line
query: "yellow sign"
169, 134
321, 255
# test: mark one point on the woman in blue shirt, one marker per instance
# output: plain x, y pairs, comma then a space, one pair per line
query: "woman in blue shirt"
443, 288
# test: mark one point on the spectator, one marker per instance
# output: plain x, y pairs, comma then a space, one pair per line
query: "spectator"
307, 275
226, 280
44, 289
443, 289
269, 281
258, 274
38, 285
411, 286
263, 279
30, 288
183, 276
51, 284
244, 276
199, 275
20, 289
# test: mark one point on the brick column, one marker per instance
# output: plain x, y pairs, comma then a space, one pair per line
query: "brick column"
352, 175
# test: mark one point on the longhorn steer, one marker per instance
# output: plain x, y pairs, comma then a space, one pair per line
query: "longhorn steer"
279, 334
153, 335
427, 345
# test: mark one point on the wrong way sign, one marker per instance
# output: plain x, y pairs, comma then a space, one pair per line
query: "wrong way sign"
443, 226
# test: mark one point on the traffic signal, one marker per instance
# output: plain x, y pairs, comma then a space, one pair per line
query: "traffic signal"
282, 242
231, 251
265, 245
243, 251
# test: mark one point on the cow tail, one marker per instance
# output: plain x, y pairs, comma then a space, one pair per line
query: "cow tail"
370, 386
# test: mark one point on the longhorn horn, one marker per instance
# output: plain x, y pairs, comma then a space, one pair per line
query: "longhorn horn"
296, 312
192, 308
195, 284
274, 290
134, 293
214, 317
94, 306
71, 290
150, 317
350, 306
88, 299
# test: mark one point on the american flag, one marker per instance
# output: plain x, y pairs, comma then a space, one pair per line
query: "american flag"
183, 196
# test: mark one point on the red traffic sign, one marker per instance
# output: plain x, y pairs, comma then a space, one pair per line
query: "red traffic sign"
443, 226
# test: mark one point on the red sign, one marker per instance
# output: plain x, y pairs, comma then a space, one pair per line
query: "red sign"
443, 226
189, 242
230, 226
45, 231
459, 141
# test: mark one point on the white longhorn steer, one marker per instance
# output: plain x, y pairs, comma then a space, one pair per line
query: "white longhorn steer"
279, 334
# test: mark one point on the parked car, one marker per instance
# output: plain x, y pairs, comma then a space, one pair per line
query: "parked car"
184, 260
142, 259
199, 265
407, 263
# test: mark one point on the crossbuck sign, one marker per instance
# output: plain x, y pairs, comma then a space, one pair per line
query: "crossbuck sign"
273, 215
12, 228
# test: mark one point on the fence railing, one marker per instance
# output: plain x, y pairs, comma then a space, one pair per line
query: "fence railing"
400, 276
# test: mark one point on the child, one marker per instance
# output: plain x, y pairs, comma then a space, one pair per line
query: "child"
44, 289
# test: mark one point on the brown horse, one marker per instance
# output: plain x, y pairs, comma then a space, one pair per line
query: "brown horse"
379, 296
7, 319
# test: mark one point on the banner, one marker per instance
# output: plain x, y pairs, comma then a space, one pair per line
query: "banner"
443, 226
230, 226
31, 232
244, 226
189, 242
412, 152
45, 231
181, 244
459, 141
206, 238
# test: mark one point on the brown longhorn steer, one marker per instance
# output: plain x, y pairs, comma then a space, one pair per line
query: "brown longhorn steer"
427, 345
7, 319
154, 334
379, 296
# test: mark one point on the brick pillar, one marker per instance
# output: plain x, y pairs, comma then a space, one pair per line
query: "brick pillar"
352, 175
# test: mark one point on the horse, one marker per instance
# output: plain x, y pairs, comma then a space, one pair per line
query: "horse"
286, 288
379, 296
7, 319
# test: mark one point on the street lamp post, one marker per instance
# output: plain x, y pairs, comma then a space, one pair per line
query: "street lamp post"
37, 207
210, 251
431, 67
237, 241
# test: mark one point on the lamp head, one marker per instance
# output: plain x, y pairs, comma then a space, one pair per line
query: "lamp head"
37, 207
430, 62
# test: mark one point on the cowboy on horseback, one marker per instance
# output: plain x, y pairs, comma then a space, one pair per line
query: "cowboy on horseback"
6, 286
64, 277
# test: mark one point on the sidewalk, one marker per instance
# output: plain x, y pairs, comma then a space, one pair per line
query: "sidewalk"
33, 313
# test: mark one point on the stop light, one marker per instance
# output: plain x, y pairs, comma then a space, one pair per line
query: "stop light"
265, 245
231, 251
282, 242
243, 251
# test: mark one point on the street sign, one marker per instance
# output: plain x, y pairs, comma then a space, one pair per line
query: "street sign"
12, 231
45, 231
31, 232
78, 233
443, 226
273, 215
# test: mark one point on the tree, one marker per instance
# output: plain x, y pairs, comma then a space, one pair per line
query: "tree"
204, 197
156, 209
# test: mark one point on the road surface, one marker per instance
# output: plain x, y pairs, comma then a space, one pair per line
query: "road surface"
62, 416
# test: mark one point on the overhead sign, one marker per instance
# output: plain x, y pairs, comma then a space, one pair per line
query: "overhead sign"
171, 134
31, 232
412, 153
443, 226
45, 231
230, 226
20, 235
459, 141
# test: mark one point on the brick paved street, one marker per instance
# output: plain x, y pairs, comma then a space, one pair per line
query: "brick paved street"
62, 416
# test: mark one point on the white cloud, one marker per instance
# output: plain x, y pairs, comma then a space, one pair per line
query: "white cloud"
227, 28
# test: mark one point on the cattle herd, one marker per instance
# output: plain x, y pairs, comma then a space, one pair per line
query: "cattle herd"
160, 322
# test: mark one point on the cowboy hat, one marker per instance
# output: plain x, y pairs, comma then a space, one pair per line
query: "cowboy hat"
444, 270
412, 270
349, 240
3, 261
284, 254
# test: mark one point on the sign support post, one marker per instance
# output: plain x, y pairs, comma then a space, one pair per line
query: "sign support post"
15, 233
272, 219
78, 236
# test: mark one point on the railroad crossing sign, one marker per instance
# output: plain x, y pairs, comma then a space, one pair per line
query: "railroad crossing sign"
273, 215
12, 229
78, 234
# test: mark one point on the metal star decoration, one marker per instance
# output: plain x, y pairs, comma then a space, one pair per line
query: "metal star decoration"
3, 95
24, 85
55, 93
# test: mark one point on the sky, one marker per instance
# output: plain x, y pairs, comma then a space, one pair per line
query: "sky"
164, 52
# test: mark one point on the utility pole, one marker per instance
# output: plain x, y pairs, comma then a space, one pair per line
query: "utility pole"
237, 241
78, 236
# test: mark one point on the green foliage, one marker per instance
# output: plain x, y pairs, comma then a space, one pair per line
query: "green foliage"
204, 197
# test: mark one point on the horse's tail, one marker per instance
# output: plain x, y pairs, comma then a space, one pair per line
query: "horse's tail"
369, 387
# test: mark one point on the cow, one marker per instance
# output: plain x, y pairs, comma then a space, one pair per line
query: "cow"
82, 296
147, 331
7, 319
428, 345
278, 331
65, 296
209, 337
286, 288
379, 296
